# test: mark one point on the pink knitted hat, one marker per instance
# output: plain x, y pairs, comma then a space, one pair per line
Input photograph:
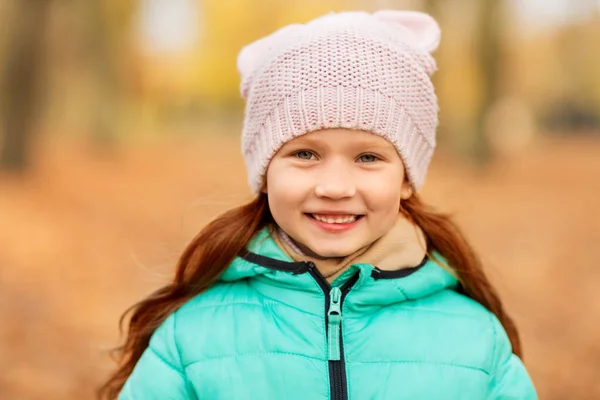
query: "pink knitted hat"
350, 70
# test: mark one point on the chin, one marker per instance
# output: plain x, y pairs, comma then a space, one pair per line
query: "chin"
329, 252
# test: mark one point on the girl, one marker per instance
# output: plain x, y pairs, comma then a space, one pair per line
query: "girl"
336, 281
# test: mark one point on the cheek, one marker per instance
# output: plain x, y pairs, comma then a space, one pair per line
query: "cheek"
286, 180
387, 201
383, 192
285, 192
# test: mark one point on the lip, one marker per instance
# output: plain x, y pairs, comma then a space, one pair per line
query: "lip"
332, 212
334, 227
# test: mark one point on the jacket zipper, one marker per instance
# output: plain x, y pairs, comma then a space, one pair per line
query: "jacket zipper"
334, 298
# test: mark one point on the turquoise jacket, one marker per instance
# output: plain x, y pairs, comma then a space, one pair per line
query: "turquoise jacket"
275, 329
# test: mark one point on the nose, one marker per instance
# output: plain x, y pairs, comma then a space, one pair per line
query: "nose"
335, 182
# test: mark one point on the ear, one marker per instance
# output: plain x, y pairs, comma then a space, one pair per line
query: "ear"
264, 189
252, 55
406, 191
424, 30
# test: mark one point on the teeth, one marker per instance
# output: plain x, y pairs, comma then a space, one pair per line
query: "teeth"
337, 220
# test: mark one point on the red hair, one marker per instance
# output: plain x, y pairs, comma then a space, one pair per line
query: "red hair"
215, 247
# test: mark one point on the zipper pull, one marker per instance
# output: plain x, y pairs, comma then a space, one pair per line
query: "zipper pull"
334, 316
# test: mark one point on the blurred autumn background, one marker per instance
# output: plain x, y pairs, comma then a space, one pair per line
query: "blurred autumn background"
119, 140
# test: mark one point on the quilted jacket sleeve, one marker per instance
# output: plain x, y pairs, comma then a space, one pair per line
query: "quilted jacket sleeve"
158, 373
509, 378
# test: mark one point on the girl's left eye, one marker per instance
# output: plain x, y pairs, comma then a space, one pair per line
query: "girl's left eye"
368, 158
304, 154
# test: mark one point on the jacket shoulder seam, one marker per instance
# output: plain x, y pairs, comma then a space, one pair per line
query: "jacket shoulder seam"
495, 349
175, 338
166, 362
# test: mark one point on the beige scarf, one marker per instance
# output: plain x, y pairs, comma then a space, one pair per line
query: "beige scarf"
403, 246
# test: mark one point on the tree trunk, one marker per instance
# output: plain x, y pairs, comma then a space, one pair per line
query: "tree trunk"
104, 117
489, 58
21, 81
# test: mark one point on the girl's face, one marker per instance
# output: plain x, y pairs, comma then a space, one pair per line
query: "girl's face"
335, 191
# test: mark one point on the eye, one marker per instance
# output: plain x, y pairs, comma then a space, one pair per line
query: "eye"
368, 158
304, 154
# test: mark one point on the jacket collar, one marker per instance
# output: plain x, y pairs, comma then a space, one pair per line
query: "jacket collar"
402, 246
269, 269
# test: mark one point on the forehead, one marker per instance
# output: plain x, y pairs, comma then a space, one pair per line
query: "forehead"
340, 138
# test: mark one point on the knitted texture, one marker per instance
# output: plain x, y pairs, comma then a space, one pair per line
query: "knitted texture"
349, 70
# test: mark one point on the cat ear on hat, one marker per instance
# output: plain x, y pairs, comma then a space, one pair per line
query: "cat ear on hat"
253, 55
424, 30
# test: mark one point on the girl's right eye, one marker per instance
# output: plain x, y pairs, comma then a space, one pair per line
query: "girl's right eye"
304, 154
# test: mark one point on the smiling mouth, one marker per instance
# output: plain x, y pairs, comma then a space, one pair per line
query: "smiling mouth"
336, 219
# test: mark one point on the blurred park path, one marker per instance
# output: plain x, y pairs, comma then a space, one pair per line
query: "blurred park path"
83, 236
